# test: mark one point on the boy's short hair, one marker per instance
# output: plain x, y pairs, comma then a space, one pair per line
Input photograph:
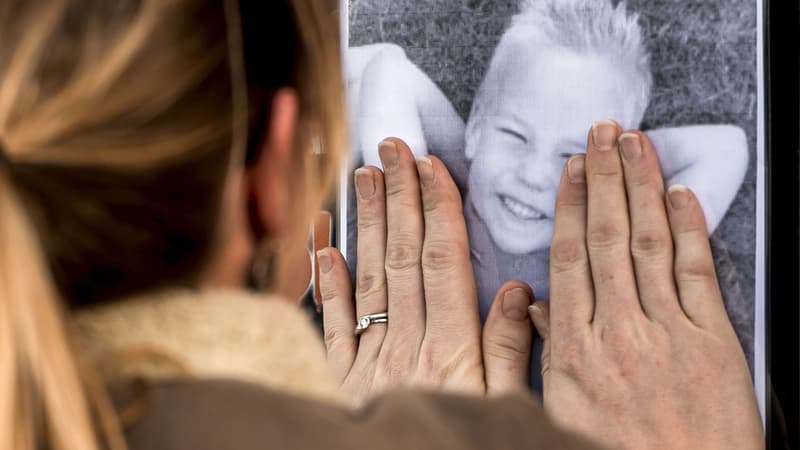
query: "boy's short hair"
581, 26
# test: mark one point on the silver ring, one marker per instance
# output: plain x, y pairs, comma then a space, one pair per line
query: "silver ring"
365, 321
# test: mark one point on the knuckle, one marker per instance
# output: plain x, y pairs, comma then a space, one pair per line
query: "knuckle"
436, 366
571, 204
506, 348
395, 366
446, 201
649, 244
604, 235
545, 367
619, 340
397, 191
687, 231
334, 338
566, 255
694, 270
370, 222
434, 204
569, 361
640, 176
402, 255
441, 256
431, 371
328, 289
610, 173
370, 284
570, 356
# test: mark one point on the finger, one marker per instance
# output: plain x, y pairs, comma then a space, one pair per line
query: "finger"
403, 245
540, 316
695, 275
651, 241
337, 314
507, 336
572, 299
608, 230
370, 256
321, 239
450, 300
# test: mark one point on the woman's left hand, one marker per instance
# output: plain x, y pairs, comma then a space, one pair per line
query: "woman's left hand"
638, 349
414, 263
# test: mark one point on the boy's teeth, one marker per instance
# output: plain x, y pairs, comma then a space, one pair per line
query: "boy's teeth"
522, 210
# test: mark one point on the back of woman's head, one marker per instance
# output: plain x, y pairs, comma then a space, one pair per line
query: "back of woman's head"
120, 122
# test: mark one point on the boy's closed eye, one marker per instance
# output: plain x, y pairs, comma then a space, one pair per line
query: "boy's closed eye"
513, 133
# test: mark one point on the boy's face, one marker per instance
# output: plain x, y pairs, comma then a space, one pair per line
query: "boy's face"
544, 102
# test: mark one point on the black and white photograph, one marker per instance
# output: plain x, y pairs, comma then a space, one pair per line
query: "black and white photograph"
505, 91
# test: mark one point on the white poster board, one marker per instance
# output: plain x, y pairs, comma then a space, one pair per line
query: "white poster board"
463, 79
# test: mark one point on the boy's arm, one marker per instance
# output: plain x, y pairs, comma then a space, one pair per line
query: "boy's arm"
710, 159
392, 97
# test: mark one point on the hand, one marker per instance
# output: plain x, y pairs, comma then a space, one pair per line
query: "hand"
639, 352
414, 262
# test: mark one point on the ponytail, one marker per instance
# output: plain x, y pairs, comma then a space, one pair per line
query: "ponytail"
43, 398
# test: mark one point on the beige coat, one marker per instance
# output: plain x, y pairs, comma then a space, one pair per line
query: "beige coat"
236, 371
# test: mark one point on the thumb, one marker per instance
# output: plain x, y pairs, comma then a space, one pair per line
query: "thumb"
507, 340
540, 316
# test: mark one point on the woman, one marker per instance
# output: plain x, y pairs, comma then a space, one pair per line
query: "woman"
147, 171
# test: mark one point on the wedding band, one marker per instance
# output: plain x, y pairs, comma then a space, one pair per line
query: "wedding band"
365, 321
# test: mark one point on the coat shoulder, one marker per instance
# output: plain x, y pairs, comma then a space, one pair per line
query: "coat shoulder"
222, 414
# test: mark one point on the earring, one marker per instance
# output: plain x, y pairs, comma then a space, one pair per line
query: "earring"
262, 269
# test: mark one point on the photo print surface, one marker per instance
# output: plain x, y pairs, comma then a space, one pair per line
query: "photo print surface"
505, 91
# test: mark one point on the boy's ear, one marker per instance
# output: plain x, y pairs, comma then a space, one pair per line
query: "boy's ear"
270, 176
472, 135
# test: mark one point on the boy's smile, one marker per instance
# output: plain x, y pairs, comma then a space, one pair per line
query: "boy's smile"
522, 210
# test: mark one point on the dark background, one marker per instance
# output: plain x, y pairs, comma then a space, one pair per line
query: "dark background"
783, 315
704, 67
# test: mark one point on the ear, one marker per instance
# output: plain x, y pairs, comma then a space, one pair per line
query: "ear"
472, 132
472, 136
269, 176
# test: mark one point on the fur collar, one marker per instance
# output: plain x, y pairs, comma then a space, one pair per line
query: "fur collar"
208, 334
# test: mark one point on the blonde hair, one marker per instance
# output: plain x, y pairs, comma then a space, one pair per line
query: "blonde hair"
591, 26
594, 27
120, 122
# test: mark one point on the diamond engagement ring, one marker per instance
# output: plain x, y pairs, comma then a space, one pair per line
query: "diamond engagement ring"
365, 321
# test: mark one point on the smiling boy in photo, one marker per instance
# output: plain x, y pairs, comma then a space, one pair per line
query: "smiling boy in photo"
559, 66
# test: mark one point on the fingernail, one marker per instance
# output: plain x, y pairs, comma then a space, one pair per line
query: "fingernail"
324, 260
365, 183
679, 196
387, 150
425, 169
576, 169
539, 320
604, 134
631, 146
515, 304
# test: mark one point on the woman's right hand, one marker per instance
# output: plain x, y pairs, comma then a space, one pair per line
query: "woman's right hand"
638, 350
414, 262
